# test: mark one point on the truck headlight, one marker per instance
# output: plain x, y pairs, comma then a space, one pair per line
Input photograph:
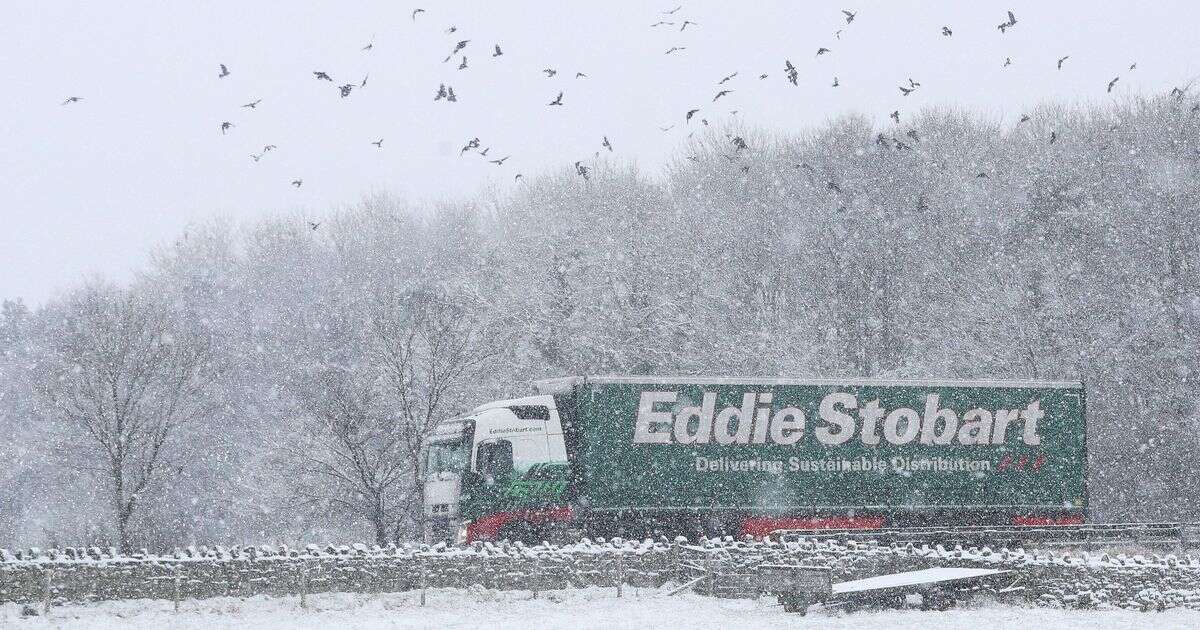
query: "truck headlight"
461, 536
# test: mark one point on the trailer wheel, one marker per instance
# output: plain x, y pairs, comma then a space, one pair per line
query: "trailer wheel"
793, 603
937, 599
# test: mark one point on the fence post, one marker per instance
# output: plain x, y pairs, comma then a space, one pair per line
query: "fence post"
677, 557
536, 574
708, 571
178, 581
620, 571
47, 579
304, 586
424, 577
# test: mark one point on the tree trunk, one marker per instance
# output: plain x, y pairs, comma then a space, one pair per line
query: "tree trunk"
121, 511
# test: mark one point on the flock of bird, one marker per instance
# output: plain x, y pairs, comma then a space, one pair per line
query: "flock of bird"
667, 19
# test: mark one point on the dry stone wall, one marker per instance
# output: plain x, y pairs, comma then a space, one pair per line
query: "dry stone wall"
1050, 579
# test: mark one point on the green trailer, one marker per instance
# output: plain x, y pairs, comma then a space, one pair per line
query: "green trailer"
642, 455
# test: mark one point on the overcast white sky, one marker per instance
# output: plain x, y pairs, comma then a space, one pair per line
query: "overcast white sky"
91, 187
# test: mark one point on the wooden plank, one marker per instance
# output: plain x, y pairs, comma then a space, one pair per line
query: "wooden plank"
924, 577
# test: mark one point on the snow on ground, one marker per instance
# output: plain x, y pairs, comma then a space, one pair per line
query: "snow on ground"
583, 608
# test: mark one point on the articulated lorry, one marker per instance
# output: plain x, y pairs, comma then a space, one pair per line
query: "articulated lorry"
639, 455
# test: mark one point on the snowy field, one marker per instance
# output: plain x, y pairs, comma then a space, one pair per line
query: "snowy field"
586, 608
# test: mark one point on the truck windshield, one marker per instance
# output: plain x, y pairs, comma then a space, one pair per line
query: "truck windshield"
451, 456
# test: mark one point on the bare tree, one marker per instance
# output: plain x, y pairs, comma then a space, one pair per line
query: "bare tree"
121, 371
428, 344
352, 459
367, 415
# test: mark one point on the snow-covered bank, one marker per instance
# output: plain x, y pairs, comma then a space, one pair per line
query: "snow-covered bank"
583, 608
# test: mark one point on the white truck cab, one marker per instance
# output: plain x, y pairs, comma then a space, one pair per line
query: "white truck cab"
498, 439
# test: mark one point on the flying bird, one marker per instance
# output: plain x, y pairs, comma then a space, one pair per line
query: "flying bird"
451, 29
463, 65
835, 82
256, 156
675, 48
821, 51
557, 100
473, 143
838, 33
457, 47
685, 24
1133, 66
485, 151
415, 12
580, 75
364, 81
792, 73
913, 84
550, 72
849, 16
1012, 21
369, 46
1053, 136
720, 94
441, 93
1007, 62
834, 187
739, 143
322, 76
667, 128
907, 91
498, 51
895, 116
225, 126
661, 23
581, 169
297, 183
606, 144
982, 175
517, 176
451, 97
722, 81
1061, 60
1112, 83
946, 31
912, 133
72, 99
500, 162
672, 11
1024, 118
378, 143
224, 72
269, 147
253, 104
691, 112
762, 76
314, 225
345, 89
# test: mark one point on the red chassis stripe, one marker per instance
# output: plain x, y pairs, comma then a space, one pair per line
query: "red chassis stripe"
488, 527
